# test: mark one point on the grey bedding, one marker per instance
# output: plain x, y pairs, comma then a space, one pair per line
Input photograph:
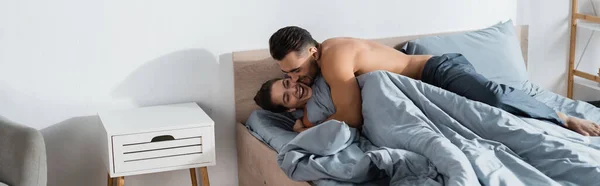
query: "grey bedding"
417, 134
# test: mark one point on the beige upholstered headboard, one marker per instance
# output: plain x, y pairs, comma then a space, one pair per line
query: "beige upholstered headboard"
254, 67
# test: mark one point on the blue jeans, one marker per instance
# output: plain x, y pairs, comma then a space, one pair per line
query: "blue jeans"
454, 73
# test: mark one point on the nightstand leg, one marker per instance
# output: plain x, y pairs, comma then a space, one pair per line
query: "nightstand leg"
110, 181
121, 181
204, 173
193, 176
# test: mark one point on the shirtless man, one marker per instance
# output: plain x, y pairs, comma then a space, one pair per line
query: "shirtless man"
340, 60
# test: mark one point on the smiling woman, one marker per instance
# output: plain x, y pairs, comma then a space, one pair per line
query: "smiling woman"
290, 94
280, 95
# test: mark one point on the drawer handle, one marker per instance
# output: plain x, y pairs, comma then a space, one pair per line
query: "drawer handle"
162, 138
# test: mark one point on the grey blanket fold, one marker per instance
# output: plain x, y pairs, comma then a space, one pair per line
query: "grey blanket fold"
418, 134
335, 154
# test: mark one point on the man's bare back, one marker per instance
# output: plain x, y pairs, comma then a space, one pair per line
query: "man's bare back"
372, 56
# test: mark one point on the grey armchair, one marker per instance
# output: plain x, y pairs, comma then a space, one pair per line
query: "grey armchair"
22, 155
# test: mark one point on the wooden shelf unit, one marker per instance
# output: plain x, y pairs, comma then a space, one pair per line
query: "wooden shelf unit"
591, 22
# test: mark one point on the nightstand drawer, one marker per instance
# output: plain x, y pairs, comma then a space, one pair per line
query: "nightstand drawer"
168, 148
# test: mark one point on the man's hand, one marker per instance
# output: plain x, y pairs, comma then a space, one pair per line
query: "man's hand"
583, 127
305, 121
299, 126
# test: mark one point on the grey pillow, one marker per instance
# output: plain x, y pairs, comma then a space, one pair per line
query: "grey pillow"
495, 52
273, 129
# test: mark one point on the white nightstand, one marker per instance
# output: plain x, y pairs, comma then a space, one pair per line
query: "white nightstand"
157, 139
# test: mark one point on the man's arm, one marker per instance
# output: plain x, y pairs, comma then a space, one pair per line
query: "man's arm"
338, 72
305, 120
299, 126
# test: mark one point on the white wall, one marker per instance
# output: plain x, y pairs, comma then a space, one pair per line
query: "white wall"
63, 59
549, 45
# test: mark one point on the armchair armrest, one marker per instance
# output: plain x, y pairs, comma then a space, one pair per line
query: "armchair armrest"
22, 155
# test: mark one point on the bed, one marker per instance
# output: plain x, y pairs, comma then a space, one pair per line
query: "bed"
257, 163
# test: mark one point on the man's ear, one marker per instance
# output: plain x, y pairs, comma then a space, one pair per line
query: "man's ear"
314, 52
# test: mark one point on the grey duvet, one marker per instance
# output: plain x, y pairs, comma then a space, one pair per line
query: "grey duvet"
417, 134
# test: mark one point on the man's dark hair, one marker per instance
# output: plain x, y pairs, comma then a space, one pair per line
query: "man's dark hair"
289, 39
263, 97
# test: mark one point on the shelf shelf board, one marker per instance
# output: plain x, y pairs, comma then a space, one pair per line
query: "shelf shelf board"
587, 83
586, 75
586, 17
589, 25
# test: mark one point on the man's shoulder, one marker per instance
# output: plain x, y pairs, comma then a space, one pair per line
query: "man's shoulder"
338, 48
339, 42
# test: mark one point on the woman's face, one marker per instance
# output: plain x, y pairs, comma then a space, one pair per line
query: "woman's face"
290, 94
